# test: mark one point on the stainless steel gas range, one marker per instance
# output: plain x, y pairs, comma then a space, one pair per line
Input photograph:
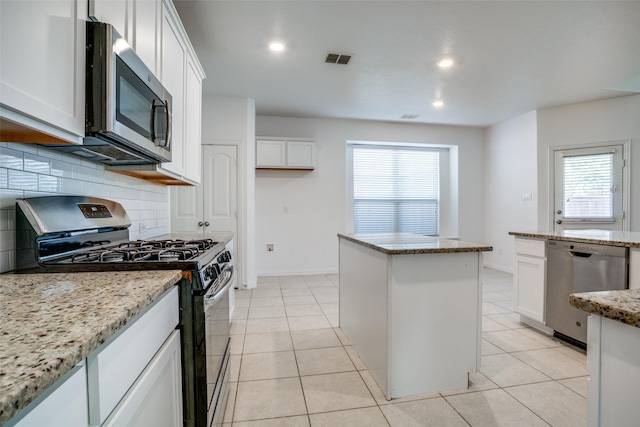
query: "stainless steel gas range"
75, 233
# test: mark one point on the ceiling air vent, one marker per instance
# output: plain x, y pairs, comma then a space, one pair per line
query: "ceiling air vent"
337, 58
410, 116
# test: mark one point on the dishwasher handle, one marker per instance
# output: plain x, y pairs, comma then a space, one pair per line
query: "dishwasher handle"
580, 254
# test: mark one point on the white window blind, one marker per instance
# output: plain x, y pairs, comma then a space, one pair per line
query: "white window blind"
588, 186
396, 189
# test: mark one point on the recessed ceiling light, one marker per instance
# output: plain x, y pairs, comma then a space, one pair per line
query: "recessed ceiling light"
276, 46
445, 63
438, 103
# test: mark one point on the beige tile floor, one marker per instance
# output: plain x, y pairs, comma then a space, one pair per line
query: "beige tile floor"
291, 366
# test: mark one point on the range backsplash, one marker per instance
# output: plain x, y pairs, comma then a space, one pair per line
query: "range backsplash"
29, 170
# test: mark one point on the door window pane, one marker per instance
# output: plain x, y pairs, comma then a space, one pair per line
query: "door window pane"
588, 186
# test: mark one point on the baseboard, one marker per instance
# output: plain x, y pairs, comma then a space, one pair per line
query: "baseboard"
498, 267
297, 273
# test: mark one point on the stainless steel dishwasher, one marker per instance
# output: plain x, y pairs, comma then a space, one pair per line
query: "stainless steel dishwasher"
579, 267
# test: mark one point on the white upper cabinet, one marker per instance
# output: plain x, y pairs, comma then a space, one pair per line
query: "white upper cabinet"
114, 12
42, 65
172, 75
285, 153
192, 120
143, 31
136, 20
154, 30
182, 75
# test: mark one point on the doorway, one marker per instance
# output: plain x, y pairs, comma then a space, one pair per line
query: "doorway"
591, 187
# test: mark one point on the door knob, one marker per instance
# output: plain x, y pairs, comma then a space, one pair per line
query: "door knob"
206, 223
558, 221
200, 223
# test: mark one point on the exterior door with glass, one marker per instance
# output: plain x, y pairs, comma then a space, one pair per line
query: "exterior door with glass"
590, 188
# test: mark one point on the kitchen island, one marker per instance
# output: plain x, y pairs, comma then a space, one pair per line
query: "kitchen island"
52, 322
411, 307
612, 356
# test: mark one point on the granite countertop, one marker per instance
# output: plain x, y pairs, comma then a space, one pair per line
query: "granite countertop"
629, 239
408, 243
50, 322
621, 305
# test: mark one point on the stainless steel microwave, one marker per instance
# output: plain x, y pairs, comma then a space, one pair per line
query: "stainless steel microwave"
127, 110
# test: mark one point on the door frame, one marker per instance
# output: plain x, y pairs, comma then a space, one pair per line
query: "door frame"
626, 176
243, 226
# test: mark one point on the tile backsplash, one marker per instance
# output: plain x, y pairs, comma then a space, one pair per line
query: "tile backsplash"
29, 170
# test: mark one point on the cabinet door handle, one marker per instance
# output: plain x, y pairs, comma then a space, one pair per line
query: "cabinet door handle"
200, 223
206, 223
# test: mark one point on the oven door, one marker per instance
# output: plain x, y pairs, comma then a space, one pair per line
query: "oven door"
217, 336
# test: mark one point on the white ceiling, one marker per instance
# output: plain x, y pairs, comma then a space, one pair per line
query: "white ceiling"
511, 57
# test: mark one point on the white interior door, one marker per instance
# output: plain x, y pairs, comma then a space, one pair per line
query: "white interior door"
220, 186
590, 187
186, 208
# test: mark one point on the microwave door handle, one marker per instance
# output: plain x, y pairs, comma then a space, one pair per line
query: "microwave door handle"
167, 141
154, 106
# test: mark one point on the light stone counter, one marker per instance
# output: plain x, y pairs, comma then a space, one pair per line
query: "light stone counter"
50, 322
408, 243
623, 305
629, 239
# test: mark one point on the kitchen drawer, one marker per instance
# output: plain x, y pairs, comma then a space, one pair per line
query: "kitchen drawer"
531, 247
115, 365
64, 404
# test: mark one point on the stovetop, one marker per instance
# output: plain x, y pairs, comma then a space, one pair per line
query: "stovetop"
186, 255
143, 250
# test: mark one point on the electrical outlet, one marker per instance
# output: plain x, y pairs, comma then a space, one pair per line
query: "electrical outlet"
271, 247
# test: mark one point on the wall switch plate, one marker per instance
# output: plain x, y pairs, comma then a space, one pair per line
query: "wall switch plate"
526, 197
271, 247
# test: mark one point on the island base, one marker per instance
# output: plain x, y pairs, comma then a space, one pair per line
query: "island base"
414, 319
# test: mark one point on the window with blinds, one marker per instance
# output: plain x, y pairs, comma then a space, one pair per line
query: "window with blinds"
396, 189
588, 186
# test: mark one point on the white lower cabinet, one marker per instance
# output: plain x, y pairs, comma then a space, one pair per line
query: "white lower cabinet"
529, 278
156, 397
63, 405
614, 368
634, 268
114, 369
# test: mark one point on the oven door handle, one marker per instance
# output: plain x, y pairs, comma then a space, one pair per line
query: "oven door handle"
215, 293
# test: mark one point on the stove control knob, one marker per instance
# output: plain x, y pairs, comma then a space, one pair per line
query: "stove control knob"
224, 257
211, 272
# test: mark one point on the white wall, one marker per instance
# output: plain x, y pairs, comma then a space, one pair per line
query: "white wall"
305, 237
584, 123
28, 170
231, 121
510, 170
